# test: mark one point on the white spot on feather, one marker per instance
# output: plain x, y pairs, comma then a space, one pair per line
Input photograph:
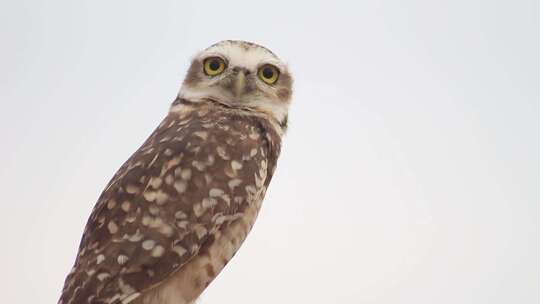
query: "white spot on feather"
148, 244
100, 258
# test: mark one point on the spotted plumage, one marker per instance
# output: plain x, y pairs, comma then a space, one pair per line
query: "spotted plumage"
177, 211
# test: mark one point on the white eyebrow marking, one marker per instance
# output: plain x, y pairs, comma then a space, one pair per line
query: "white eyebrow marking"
251, 58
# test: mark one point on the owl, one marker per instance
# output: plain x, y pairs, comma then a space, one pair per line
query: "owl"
180, 207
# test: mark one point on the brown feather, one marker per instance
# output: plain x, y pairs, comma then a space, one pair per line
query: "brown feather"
201, 169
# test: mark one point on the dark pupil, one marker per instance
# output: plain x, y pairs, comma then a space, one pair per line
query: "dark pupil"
268, 72
214, 65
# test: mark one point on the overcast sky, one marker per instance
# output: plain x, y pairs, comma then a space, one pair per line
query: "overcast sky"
411, 172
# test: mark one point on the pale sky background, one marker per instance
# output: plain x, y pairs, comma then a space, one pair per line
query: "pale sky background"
411, 172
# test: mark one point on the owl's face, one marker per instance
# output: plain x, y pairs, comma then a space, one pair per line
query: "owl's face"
240, 74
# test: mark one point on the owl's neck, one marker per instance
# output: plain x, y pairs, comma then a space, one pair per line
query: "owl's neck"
183, 105
273, 109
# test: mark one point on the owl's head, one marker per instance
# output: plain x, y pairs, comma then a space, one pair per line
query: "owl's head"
240, 74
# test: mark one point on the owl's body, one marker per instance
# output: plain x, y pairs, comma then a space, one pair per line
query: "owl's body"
178, 210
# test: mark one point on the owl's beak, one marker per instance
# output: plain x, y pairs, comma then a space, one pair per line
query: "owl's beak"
239, 84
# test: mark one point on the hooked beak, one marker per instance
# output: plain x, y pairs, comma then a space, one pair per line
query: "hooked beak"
239, 84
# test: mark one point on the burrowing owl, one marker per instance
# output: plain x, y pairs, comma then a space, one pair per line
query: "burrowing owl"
177, 211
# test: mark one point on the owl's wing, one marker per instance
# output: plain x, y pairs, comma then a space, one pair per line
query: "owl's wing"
193, 175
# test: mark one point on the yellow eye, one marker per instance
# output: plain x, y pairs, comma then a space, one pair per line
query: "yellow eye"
269, 74
214, 66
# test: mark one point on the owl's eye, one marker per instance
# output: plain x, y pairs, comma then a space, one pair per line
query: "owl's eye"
214, 66
269, 74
